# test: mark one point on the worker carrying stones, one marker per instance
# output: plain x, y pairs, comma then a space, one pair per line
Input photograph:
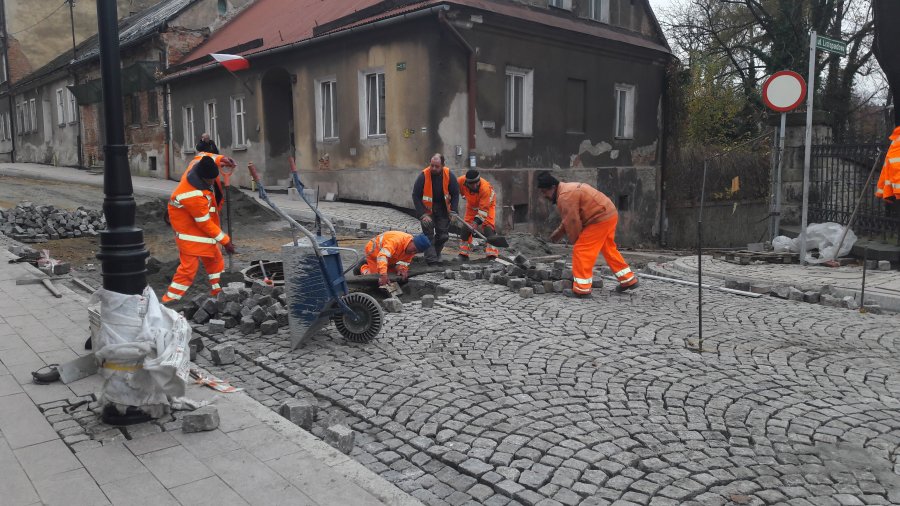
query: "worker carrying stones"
391, 252
889, 182
589, 221
193, 213
481, 202
436, 198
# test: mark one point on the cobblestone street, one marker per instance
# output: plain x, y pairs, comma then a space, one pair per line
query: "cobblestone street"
550, 400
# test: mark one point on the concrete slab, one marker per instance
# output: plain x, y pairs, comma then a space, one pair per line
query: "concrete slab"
111, 463
22, 424
140, 490
42, 394
320, 482
263, 442
72, 488
9, 385
45, 460
257, 483
15, 486
209, 491
151, 443
175, 466
206, 444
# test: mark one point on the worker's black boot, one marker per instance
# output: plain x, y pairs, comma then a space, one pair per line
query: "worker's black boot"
632, 286
569, 293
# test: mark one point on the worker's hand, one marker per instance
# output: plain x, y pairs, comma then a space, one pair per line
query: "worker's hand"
478, 221
404, 275
383, 280
556, 236
426, 219
454, 216
229, 248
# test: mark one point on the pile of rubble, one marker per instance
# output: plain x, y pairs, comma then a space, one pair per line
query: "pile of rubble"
32, 223
521, 275
261, 307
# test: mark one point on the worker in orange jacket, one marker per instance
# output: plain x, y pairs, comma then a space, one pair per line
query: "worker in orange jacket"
481, 203
392, 252
194, 214
589, 221
889, 182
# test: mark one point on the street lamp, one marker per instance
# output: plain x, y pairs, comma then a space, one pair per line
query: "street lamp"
122, 251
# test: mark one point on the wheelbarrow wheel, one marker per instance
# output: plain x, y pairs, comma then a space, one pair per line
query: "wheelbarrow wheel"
365, 323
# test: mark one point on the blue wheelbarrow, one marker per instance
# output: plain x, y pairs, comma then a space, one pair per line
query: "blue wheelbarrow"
314, 281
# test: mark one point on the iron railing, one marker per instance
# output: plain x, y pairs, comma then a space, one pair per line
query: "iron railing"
837, 175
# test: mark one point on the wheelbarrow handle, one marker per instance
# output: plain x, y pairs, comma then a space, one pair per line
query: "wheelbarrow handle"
299, 186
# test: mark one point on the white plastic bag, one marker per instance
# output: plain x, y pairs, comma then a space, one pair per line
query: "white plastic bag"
782, 244
144, 350
819, 236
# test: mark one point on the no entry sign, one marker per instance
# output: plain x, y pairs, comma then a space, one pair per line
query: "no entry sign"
784, 91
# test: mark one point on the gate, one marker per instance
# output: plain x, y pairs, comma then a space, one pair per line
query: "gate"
837, 175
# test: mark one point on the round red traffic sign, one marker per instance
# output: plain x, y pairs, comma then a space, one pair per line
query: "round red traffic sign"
784, 91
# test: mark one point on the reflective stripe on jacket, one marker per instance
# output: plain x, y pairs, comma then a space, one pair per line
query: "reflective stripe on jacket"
580, 205
194, 216
482, 203
389, 250
428, 192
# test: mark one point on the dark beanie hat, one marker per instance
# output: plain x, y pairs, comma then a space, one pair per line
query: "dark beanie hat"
472, 176
206, 168
546, 180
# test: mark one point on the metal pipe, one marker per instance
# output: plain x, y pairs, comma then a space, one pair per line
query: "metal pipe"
692, 283
315, 40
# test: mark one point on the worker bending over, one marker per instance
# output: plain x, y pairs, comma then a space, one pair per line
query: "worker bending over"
392, 252
481, 202
194, 214
589, 221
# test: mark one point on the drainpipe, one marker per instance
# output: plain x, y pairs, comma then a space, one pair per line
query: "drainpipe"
168, 129
662, 159
472, 84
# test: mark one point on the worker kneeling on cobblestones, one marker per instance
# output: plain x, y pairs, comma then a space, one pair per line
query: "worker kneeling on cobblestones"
392, 252
589, 220
481, 202
193, 212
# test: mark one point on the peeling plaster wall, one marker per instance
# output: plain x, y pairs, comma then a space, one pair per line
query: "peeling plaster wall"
49, 142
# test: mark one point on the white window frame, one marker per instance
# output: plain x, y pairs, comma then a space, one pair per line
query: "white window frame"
72, 106
3, 76
9, 132
513, 74
624, 126
26, 117
33, 112
238, 122
187, 125
380, 133
561, 4
326, 132
3, 126
210, 122
60, 108
598, 10
20, 123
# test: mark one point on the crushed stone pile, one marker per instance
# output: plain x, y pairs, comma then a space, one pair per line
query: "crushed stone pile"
32, 223
260, 308
522, 276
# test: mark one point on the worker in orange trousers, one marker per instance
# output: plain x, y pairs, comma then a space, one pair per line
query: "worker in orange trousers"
194, 215
589, 221
481, 203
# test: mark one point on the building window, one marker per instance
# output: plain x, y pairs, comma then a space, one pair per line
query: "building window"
561, 4
8, 127
133, 110
20, 123
519, 100
3, 127
223, 8
209, 121
576, 91
624, 111
238, 128
375, 124
32, 113
3, 77
326, 109
60, 108
598, 10
188, 140
73, 107
152, 107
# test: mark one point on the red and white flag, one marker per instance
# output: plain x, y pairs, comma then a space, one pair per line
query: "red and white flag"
231, 62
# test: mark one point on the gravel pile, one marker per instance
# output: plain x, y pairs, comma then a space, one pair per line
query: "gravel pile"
32, 223
259, 308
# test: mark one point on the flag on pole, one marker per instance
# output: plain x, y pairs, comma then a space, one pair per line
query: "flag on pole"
232, 62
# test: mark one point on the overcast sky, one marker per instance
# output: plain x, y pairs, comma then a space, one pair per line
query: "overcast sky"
659, 5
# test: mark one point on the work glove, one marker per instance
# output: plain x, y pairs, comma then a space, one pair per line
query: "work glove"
404, 276
229, 248
426, 219
478, 221
383, 280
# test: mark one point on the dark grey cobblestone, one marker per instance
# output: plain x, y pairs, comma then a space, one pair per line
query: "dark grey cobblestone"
552, 401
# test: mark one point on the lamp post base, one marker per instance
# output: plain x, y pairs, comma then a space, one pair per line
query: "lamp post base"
132, 416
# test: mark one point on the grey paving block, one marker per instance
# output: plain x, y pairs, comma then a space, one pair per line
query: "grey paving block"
210, 491
70, 488
15, 486
254, 481
46, 459
315, 479
142, 489
200, 420
264, 442
111, 463
175, 466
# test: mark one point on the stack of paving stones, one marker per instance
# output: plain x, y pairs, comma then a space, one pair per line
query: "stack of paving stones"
32, 223
521, 276
30, 255
824, 296
78, 423
260, 308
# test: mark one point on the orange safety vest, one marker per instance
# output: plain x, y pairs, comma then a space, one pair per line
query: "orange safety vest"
194, 216
428, 193
889, 180
482, 204
389, 250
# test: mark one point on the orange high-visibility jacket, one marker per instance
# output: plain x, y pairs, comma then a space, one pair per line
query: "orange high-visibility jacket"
482, 203
389, 250
580, 205
889, 181
428, 193
194, 216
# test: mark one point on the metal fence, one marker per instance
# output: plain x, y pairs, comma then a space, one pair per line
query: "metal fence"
837, 175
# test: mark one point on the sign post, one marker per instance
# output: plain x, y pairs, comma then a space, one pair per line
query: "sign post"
832, 46
782, 92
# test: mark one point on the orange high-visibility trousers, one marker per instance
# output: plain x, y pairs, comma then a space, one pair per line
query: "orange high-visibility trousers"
465, 240
596, 239
187, 270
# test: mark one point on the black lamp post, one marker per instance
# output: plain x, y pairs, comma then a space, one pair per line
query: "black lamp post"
122, 252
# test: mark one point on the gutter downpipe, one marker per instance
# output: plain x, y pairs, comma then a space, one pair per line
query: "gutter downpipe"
315, 40
472, 84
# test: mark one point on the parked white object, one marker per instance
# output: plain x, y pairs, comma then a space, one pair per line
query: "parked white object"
824, 237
